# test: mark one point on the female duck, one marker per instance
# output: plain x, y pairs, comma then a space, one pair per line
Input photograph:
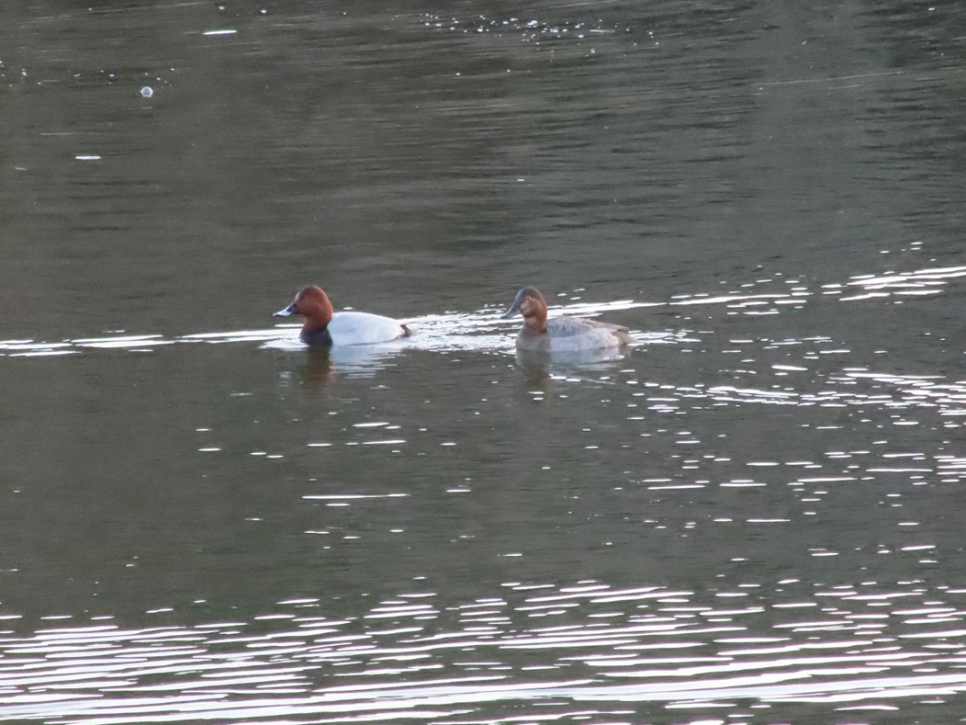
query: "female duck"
325, 327
561, 334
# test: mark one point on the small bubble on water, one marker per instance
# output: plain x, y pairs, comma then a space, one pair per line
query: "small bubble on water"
147, 92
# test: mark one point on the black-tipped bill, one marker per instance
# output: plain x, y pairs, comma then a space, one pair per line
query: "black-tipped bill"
288, 311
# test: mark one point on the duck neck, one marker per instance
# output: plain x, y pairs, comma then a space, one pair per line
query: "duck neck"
535, 321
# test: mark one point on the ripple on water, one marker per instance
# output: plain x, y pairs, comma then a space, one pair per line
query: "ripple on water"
585, 648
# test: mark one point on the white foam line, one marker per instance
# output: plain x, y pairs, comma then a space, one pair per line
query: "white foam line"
725, 299
752, 392
353, 496
45, 353
123, 338
34, 346
269, 333
869, 296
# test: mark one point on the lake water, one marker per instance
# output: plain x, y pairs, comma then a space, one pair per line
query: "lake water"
751, 515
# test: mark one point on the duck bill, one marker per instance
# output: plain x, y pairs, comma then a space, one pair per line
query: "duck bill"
287, 312
517, 304
513, 311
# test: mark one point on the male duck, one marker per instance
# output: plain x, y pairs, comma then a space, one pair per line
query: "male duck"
325, 327
561, 334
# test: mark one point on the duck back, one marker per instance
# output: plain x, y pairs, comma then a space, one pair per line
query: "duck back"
572, 334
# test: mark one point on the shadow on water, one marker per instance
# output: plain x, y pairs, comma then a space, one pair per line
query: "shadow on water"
319, 368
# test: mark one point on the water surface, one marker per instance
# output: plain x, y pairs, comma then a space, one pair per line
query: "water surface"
749, 515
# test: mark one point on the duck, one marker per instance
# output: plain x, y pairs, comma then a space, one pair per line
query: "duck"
561, 334
325, 328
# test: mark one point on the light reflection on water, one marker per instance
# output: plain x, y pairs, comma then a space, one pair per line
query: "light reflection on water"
756, 648
561, 651
476, 331
447, 332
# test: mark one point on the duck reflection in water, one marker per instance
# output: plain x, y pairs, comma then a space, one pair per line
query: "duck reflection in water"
318, 371
324, 365
541, 367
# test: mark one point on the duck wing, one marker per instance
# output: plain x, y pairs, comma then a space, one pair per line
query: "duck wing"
363, 328
573, 326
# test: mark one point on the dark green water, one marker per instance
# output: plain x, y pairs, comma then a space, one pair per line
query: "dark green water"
753, 514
